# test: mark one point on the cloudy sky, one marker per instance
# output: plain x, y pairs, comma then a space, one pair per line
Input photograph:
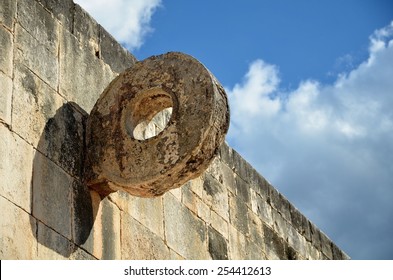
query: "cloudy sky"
310, 85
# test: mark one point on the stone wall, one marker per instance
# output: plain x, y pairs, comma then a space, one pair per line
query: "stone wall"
55, 62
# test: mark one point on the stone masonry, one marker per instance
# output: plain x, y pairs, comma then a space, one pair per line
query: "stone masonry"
55, 62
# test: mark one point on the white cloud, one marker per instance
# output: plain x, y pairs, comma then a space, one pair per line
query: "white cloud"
127, 20
326, 145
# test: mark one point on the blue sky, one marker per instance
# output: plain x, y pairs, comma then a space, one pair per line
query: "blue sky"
311, 90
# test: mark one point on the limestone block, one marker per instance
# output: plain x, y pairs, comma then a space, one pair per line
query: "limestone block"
51, 195
259, 184
275, 246
34, 103
62, 139
218, 223
104, 240
62, 10
237, 244
16, 168
261, 208
147, 211
218, 247
238, 212
17, 230
226, 155
79, 67
6, 46
297, 241
256, 230
39, 23
5, 98
315, 236
194, 202
228, 178
7, 13
36, 56
56, 247
312, 252
280, 225
215, 195
280, 203
86, 28
242, 189
242, 247
300, 222
139, 243
188, 237
113, 54
326, 244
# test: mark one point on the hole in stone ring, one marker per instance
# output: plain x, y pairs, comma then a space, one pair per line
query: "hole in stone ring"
149, 113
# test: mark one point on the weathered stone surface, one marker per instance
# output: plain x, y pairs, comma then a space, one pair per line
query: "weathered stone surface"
36, 56
326, 244
51, 195
216, 196
56, 247
62, 10
242, 189
16, 167
238, 212
262, 208
7, 13
17, 239
275, 246
188, 237
195, 203
180, 152
300, 222
62, 139
280, 203
6, 57
256, 231
86, 29
5, 98
217, 222
34, 103
39, 23
218, 248
104, 241
148, 211
112, 53
139, 243
242, 247
79, 67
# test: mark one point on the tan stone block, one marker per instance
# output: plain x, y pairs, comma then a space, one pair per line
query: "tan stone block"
6, 47
148, 211
215, 195
104, 241
139, 243
7, 12
39, 23
34, 103
17, 230
5, 98
219, 224
79, 67
36, 56
175, 256
184, 232
237, 244
16, 168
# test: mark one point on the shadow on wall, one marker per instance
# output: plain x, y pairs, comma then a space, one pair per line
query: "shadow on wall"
61, 204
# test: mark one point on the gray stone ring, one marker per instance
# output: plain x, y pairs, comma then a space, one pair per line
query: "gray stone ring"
120, 158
